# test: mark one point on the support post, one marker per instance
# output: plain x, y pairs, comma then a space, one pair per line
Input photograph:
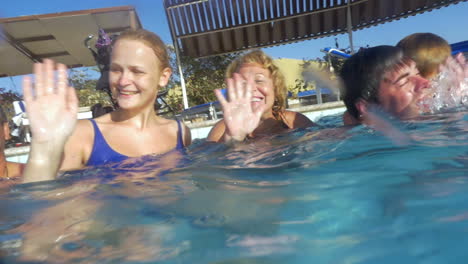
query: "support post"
349, 23
176, 48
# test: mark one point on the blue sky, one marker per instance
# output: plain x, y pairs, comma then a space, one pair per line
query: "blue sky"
449, 22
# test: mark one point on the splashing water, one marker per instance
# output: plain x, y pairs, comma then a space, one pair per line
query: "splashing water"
447, 91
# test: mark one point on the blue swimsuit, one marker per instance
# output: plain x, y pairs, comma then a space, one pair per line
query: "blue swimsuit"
102, 153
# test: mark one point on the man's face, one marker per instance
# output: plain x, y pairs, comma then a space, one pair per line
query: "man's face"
401, 90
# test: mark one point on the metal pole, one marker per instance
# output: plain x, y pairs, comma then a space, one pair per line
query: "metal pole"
176, 47
182, 80
349, 23
318, 94
133, 21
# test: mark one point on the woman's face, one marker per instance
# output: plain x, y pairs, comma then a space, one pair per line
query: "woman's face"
135, 74
263, 92
401, 90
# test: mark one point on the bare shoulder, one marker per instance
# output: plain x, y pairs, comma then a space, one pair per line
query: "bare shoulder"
217, 132
104, 119
78, 146
297, 120
172, 126
83, 131
186, 134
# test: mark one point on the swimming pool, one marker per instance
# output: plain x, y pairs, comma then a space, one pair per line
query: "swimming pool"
310, 196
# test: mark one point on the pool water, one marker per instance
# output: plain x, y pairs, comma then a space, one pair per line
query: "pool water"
318, 195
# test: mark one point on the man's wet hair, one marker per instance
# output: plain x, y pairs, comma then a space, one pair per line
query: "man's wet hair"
363, 72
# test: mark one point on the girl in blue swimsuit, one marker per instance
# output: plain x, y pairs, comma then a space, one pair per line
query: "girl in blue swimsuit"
139, 67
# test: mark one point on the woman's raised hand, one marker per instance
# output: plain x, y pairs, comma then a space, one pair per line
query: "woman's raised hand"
239, 116
51, 104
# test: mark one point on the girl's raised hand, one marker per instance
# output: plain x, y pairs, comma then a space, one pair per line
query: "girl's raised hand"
51, 104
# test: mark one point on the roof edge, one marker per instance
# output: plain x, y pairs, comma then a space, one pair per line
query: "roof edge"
68, 13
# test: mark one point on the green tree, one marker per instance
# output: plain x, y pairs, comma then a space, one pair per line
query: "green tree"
174, 98
202, 76
7, 97
85, 85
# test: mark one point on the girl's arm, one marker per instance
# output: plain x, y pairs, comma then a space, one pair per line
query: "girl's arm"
51, 106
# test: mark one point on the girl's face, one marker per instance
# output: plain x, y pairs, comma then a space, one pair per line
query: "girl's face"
263, 82
135, 74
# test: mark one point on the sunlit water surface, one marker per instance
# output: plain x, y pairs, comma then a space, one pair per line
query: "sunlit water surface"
320, 195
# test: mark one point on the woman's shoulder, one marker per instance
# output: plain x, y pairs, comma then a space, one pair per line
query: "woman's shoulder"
78, 145
83, 127
173, 126
170, 124
103, 119
296, 120
82, 135
217, 131
186, 133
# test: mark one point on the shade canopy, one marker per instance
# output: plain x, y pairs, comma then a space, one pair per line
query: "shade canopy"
210, 27
460, 47
59, 36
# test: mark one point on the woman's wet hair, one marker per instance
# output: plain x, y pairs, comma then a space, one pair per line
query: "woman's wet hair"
151, 40
266, 62
363, 72
427, 50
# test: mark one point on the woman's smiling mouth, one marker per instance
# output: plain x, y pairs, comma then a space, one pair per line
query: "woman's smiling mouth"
127, 92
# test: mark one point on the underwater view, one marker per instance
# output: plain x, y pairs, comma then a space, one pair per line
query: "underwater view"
327, 194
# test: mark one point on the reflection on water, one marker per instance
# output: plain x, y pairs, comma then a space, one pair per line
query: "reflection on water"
329, 195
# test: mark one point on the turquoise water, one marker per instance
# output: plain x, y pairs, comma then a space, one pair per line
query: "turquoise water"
328, 195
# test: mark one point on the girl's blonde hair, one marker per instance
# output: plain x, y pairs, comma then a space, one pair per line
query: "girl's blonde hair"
151, 40
266, 62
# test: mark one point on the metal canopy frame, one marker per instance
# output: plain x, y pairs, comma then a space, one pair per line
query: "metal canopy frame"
203, 28
210, 27
59, 36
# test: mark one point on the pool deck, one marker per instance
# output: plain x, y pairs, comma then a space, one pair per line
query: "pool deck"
200, 130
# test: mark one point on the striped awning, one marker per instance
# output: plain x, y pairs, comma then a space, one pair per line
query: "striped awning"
209, 27
59, 36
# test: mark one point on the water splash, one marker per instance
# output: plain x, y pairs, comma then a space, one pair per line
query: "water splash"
447, 91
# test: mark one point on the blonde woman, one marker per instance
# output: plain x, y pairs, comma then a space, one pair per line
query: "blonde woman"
139, 67
256, 101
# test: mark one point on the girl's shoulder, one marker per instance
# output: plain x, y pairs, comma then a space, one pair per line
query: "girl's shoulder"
176, 127
84, 128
